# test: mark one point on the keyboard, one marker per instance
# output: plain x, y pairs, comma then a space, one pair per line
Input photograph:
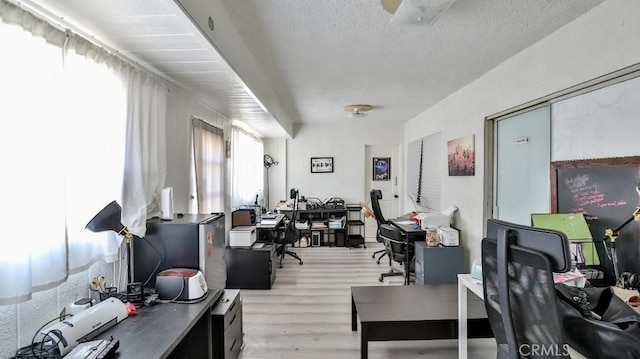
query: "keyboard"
95, 349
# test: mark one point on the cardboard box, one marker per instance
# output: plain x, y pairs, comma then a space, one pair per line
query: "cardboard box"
449, 236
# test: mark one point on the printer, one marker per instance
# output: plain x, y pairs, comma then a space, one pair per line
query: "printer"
242, 236
433, 219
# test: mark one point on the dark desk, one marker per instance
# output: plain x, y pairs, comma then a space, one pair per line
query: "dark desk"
271, 226
423, 312
263, 230
163, 330
410, 235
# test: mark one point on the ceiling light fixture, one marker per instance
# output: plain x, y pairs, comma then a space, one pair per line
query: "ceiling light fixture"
358, 110
416, 11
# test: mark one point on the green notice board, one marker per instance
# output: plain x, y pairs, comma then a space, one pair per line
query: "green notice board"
574, 226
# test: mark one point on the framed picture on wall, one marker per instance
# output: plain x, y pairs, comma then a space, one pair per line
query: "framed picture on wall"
321, 164
381, 169
461, 156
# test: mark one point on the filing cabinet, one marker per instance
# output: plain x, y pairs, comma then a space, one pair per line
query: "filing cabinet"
226, 325
251, 268
438, 265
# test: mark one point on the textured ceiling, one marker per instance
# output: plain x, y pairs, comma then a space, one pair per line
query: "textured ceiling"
323, 55
303, 61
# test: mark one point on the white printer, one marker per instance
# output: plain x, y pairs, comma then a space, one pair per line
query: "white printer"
242, 236
433, 219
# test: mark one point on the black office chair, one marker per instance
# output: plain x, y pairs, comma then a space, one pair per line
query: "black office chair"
288, 235
396, 249
517, 270
376, 195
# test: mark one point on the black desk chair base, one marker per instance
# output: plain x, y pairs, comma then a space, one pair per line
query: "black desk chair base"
391, 273
281, 253
384, 253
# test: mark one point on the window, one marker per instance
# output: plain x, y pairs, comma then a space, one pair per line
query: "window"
61, 138
208, 151
80, 127
423, 172
247, 168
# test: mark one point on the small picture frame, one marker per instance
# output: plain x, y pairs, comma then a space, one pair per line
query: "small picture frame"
321, 164
381, 169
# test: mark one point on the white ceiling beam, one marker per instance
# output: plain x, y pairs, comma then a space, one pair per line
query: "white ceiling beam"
227, 41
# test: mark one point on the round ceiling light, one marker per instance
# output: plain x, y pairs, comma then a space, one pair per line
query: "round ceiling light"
358, 110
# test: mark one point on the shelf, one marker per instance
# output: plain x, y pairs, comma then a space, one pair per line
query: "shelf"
355, 225
355, 240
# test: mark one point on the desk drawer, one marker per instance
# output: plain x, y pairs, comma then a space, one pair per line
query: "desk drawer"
226, 323
233, 336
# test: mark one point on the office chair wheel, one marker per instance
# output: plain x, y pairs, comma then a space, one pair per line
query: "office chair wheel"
380, 279
301, 263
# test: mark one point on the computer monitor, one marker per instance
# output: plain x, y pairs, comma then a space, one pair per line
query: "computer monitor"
576, 229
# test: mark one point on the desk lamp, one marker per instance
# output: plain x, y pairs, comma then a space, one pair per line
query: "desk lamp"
108, 219
612, 235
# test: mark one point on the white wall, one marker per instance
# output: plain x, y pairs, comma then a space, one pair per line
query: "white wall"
602, 41
276, 148
345, 142
181, 108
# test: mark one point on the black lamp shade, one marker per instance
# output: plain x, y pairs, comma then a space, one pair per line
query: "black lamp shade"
108, 219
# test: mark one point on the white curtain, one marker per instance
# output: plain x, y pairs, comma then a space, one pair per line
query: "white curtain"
146, 155
247, 168
209, 164
62, 144
94, 117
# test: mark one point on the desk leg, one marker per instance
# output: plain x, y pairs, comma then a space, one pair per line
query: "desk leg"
364, 342
462, 320
407, 261
354, 316
406, 269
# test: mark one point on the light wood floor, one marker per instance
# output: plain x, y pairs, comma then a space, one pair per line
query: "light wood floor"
307, 313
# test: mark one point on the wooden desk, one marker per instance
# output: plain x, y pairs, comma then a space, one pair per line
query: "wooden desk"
410, 235
423, 312
182, 330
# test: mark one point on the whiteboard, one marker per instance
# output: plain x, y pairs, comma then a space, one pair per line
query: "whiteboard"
598, 124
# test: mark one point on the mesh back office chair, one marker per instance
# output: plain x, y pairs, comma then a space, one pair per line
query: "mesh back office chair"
288, 235
376, 195
519, 290
396, 248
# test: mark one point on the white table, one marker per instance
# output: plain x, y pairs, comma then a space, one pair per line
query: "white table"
465, 282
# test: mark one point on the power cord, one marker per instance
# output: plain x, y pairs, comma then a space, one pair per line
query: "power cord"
47, 348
